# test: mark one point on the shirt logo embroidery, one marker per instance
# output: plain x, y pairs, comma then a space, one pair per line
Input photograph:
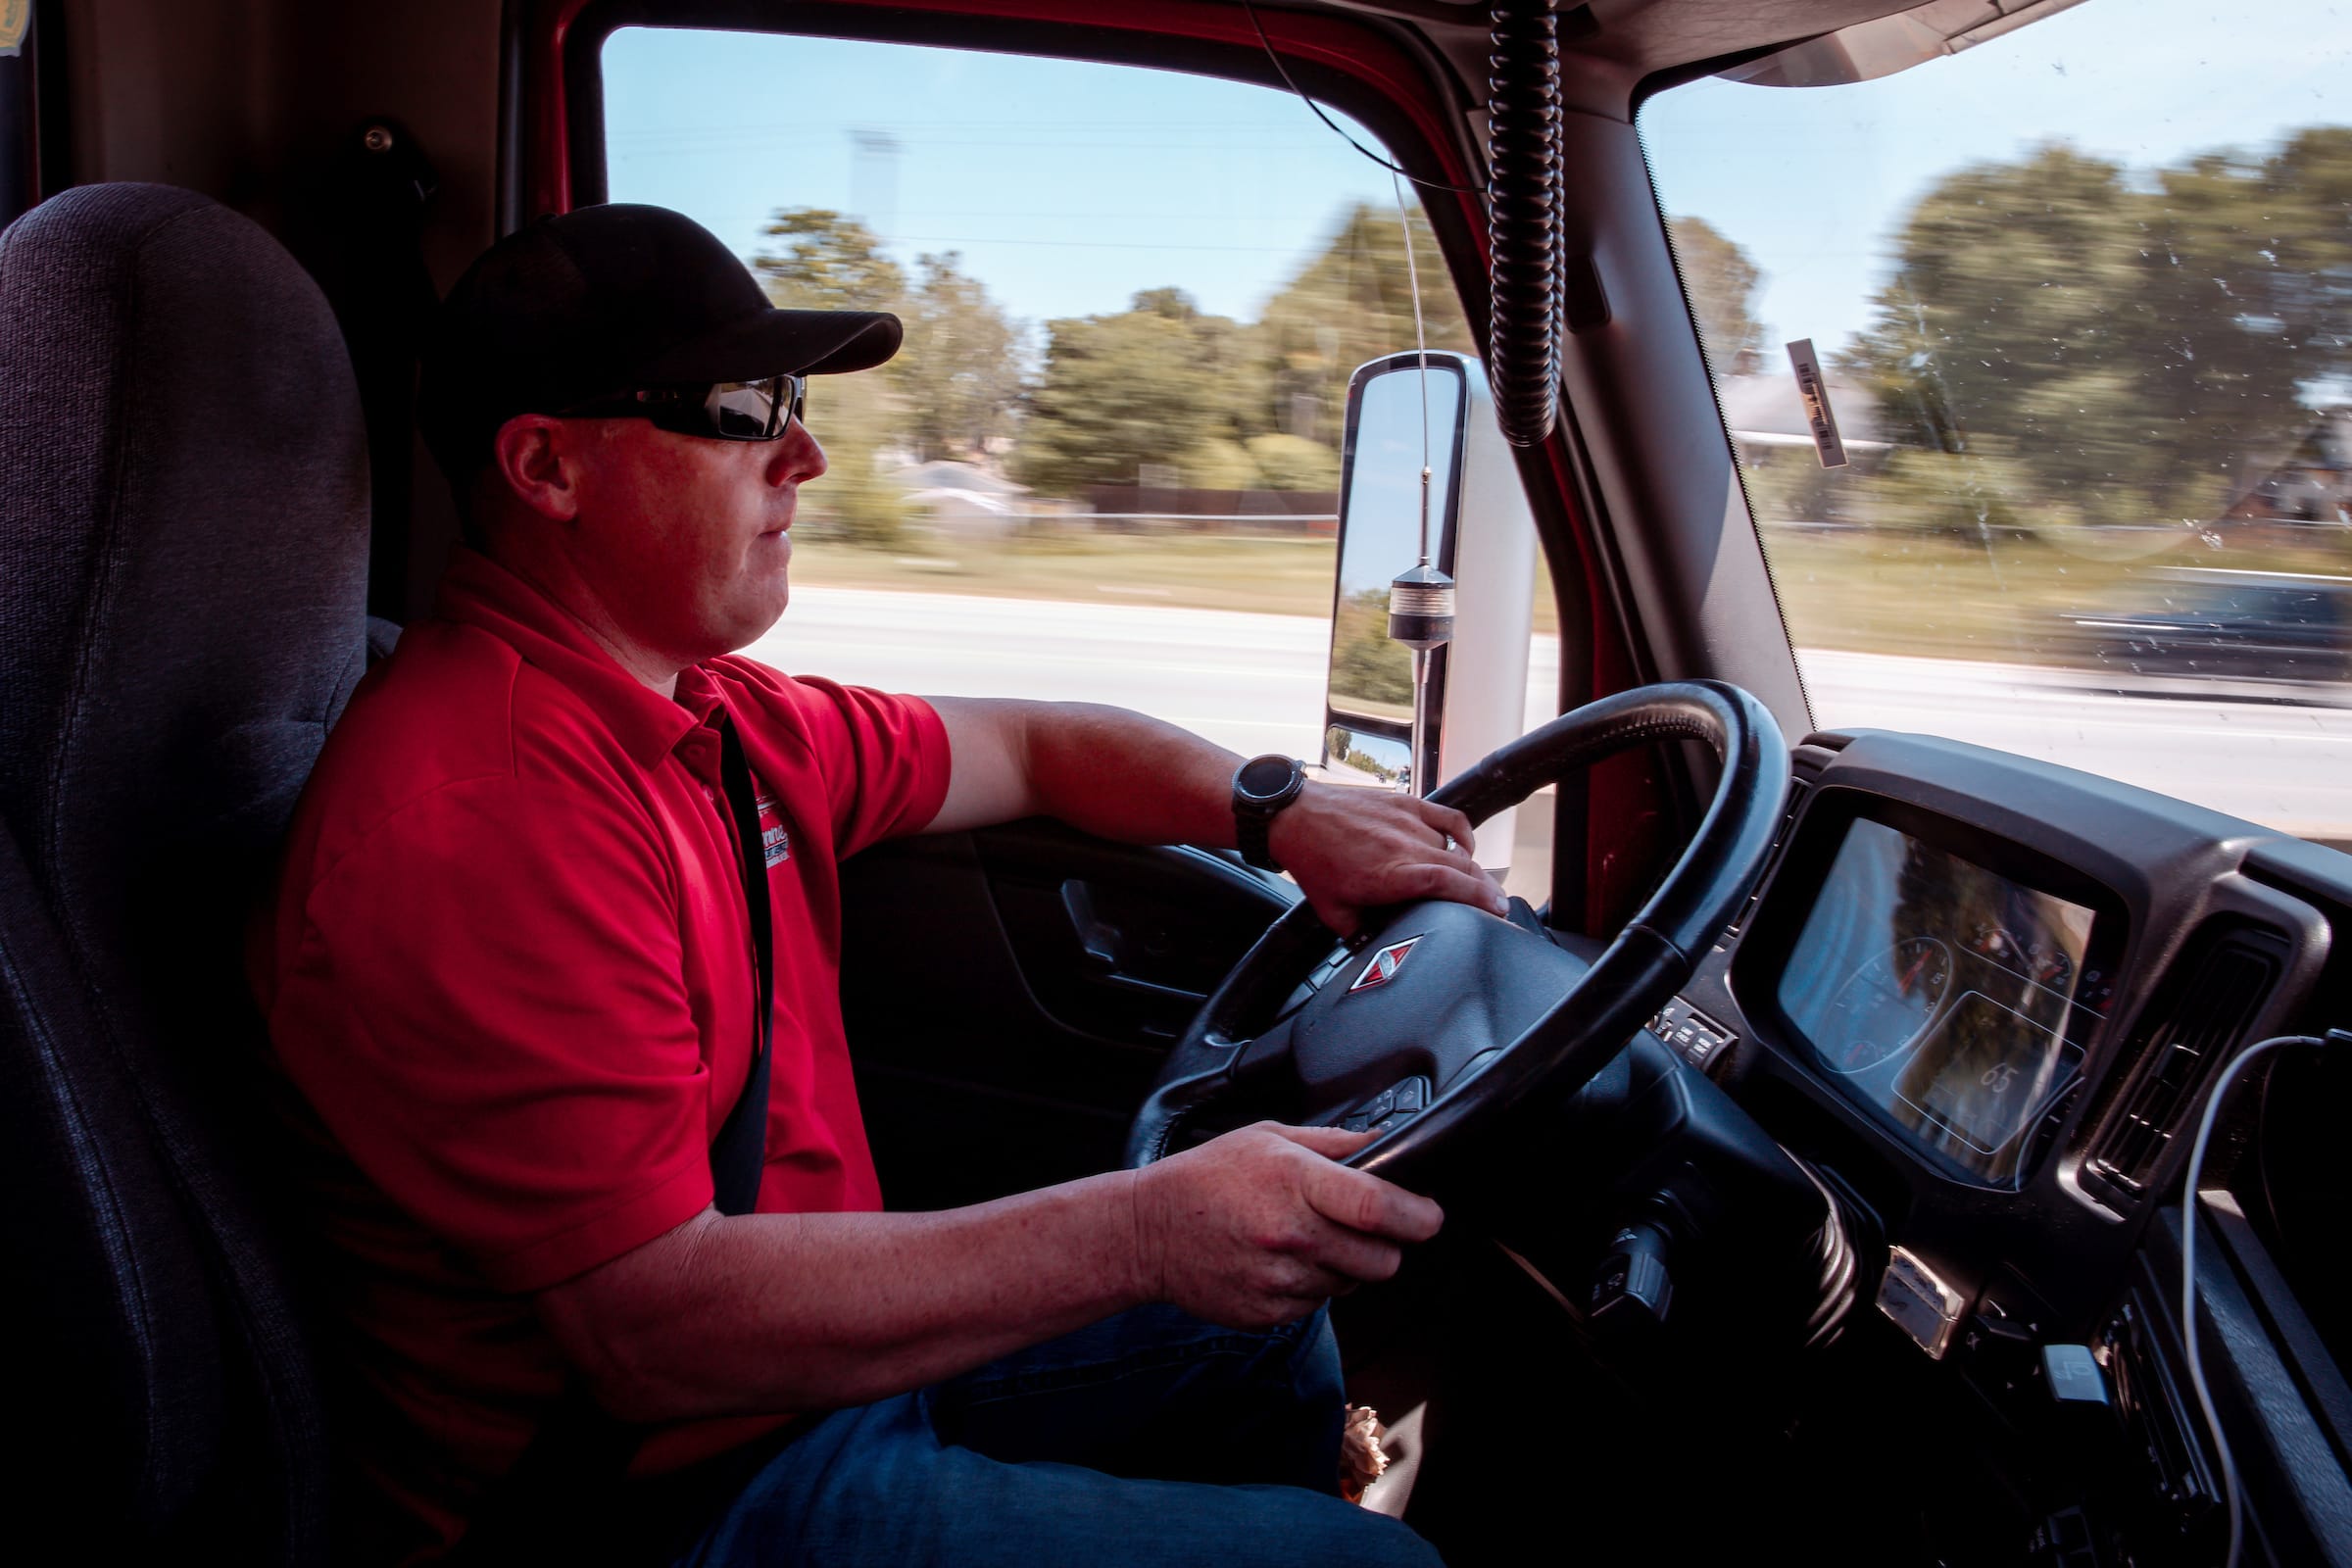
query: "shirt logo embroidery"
775, 845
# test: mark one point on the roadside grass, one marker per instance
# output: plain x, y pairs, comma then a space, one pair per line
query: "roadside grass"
1210, 572
2007, 599
1277, 576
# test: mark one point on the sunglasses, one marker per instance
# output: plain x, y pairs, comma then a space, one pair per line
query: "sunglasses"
722, 411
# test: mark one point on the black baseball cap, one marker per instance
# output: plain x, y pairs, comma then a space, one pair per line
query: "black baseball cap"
606, 300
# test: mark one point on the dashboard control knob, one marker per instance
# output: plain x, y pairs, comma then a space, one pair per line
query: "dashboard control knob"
1633, 1284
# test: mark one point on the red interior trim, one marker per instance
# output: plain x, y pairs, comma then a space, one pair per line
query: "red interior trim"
1624, 832
1329, 41
547, 160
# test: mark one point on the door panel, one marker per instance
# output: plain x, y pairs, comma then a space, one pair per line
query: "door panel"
1009, 993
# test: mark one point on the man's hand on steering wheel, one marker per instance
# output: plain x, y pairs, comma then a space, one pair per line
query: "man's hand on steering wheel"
1260, 1226
1490, 1012
1358, 849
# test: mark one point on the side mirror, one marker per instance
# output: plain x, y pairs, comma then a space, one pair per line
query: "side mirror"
1481, 534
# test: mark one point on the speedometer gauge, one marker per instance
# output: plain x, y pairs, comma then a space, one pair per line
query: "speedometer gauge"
1935, 993
1885, 1006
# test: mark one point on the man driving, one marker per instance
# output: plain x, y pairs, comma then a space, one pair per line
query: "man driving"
552, 969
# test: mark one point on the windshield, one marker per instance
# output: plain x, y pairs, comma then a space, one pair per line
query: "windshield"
2078, 480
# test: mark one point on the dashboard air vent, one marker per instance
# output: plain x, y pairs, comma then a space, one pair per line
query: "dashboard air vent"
2208, 1012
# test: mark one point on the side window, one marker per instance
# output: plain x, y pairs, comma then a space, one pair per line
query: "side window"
1106, 465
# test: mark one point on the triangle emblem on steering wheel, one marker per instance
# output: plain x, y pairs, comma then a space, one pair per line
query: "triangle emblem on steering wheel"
1384, 965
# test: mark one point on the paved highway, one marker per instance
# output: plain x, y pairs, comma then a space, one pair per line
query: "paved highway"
1255, 683
2284, 764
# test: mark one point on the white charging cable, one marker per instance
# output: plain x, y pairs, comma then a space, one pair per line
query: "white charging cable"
2222, 1084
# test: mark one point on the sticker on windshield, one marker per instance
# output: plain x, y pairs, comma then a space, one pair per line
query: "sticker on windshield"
1816, 394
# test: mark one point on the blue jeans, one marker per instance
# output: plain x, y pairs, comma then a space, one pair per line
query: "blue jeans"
1148, 1439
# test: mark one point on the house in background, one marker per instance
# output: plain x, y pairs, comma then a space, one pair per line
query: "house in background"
2308, 484
1767, 418
964, 500
1782, 467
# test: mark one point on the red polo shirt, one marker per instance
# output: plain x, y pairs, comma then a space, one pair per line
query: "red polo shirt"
508, 971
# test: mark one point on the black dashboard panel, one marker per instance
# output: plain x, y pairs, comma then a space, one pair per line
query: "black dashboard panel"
2036, 1225
1944, 927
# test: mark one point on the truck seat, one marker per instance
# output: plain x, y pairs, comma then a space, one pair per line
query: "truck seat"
183, 547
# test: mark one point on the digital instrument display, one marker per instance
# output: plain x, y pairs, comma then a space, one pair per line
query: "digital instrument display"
1943, 995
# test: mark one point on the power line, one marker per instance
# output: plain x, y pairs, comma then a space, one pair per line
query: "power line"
804, 127
1087, 244
1113, 217
1284, 72
736, 147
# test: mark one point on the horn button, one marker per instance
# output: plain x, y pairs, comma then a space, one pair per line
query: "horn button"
1414, 1010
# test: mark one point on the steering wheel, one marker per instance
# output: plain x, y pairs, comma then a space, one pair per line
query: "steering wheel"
1433, 1023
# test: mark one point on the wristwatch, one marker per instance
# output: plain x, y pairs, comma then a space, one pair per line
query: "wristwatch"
1261, 787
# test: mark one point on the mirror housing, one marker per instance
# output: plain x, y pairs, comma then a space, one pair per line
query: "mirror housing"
1481, 534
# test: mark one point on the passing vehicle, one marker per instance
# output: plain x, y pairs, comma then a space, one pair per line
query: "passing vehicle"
1898, 1122
2263, 629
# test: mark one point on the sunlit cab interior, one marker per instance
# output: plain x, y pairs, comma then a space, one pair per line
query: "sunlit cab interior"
1854, 497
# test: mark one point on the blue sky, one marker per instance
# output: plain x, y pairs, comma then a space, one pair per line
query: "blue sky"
1069, 186
1810, 183
1066, 186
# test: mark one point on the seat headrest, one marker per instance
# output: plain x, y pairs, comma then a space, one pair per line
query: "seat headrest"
183, 528
183, 556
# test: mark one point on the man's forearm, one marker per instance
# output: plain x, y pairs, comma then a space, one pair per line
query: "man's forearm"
769, 1312
1120, 775
774, 1312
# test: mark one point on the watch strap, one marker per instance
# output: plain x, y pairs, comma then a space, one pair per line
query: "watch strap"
1252, 833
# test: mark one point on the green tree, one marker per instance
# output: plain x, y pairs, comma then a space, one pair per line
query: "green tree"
856, 501
831, 263
827, 262
1721, 281
1370, 673
960, 373
1221, 463
2061, 344
1294, 463
1229, 405
1352, 303
1118, 392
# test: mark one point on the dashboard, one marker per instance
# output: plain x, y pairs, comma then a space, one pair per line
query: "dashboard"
1981, 999
1981, 993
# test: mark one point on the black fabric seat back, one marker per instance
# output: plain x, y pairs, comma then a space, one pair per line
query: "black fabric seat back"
183, 540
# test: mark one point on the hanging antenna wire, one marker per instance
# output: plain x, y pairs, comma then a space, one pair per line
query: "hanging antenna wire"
1412, 274
1423, 597
1284, 73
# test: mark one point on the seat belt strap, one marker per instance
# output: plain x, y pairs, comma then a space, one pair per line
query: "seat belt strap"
563, 1499
738, 1155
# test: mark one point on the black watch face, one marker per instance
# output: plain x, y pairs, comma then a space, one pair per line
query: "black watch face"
1264, 777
